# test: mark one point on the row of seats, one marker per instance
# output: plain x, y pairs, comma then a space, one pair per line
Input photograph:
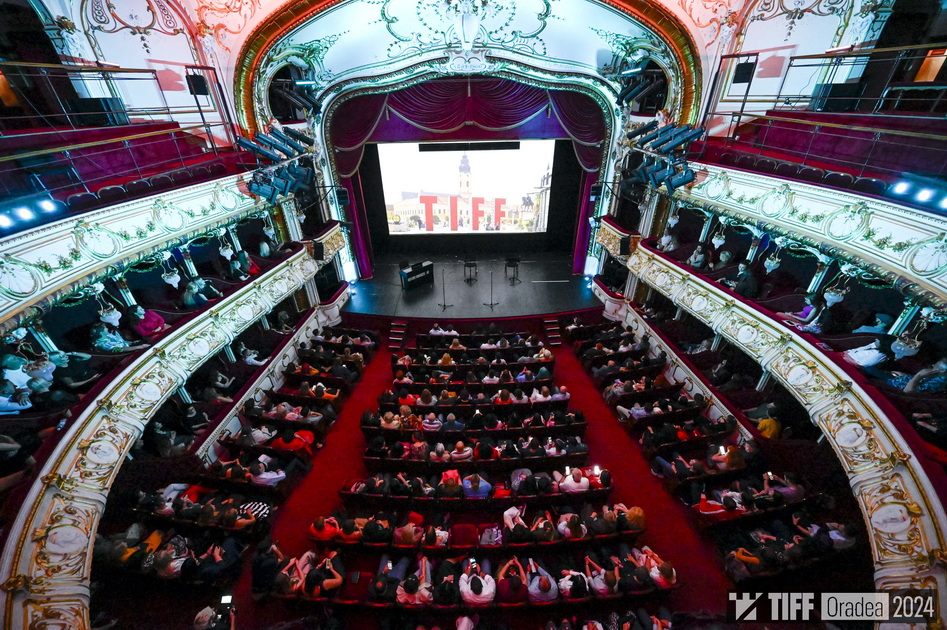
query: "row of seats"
110, 195
791, 170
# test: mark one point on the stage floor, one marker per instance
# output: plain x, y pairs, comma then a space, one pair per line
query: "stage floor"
546, 286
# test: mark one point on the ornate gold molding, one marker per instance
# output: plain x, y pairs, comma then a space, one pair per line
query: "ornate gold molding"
40, 264
896, 243
905, 516
49, 546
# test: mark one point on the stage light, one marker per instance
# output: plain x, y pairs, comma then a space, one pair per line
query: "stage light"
667, 141
630, 91
634, 133
25, 213
925, 195
5, 221
249, 145
901, 188
273, 143
681, 140
595, 192
654, 85
655, 178
306, 83
680, 179
266, 191
659, 133
342, 196
298, 136
292, 98
282, 137
281, 184
648, 172
943, 203
47, 206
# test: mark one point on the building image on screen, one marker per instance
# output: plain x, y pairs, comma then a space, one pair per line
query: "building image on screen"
460, 192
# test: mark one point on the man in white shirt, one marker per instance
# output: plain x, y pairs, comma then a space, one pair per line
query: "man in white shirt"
477, 586
867, 356
574, 482
263, 477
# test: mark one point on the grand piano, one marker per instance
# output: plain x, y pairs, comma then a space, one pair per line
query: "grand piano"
417, 275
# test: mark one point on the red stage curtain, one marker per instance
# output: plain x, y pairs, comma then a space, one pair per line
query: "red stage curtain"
444, 106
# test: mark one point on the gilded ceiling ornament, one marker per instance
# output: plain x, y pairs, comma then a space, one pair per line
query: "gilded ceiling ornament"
223, 18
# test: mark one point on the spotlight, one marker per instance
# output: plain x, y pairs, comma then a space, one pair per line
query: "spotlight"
681, 140
680, 179
595, 192
901, 188
658, 145
656, 177
342, 196
305, 83
648, 173
47, 206
299, 137
5, 221
632, 90
266, 191
282, 137
943, 203
281, 184
642, 129
925, 195
249, 145
654, 135
25, 213
273, 143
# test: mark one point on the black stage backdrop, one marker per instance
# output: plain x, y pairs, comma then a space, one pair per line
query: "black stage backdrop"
558, 237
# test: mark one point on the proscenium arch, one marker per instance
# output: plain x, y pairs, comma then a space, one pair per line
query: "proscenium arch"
654, 17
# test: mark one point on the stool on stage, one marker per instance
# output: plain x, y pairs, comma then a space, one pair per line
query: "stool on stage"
512, 269
470, 270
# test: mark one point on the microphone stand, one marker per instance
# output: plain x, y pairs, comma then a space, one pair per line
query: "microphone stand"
444, 305
491, 304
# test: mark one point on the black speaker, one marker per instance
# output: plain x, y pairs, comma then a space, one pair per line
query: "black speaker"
197, 84
342, 196
624, 246
318, 250
743, 72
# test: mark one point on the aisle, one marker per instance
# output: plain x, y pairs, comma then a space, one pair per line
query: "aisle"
338, 460
669, 532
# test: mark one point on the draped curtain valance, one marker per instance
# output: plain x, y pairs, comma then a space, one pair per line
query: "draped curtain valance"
485, 106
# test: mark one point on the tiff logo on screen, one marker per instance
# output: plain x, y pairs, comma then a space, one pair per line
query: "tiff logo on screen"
781, 606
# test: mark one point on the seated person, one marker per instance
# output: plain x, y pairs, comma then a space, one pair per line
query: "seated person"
572, 482
881, 325
107, 340
541, 586
416, 588
511, 583
698, 259
743, 282
477, 586
662, 573
147, 323
475, 487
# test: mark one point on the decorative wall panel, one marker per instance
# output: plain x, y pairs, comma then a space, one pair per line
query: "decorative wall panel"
38, 265
894, 242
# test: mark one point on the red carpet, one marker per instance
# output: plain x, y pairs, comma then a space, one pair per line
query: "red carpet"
669, 532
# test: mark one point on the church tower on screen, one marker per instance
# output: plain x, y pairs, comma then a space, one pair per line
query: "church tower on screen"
464, 169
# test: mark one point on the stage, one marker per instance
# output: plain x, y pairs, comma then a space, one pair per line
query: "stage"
546, 286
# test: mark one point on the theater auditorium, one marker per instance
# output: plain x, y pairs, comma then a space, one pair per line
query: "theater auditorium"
473, 314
